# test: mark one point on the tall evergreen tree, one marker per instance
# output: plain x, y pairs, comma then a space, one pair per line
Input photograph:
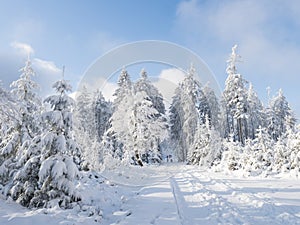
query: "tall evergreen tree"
279, 116
124, 88
118, 131
28, 124
144, 84
235, 101
103, 112
84, 113
214, 108
51, 160
136, 123
147, 127
9, 113
256, 116
189, 107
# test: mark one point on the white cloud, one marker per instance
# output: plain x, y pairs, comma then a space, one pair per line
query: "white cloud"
167, 82
46, 65
173, 75
108, 90
24, 49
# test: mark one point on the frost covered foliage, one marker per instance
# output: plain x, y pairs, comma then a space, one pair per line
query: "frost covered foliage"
231, 155
103, 112
9, 135
258, 154
147, 128
287, 152
280, 117
60, 153
9, 113
51, 161
24, 89
263, 156
25, 127
91, 120
235, 101
207, 147
189, 107
136, 124
144, 85
25, 180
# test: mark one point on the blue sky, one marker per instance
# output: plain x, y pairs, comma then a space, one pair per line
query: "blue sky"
75, 33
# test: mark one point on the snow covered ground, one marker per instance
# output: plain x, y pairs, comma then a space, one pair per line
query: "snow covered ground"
171, 194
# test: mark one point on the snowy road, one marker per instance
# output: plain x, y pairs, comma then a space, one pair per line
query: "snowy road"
193, 196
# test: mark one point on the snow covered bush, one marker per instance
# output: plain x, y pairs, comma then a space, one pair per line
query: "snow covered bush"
231, 155
206, 150
261, 154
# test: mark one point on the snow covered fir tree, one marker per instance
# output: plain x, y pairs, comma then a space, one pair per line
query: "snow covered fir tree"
48, 146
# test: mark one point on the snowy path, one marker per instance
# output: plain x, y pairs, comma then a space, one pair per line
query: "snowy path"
193, 197
172, 194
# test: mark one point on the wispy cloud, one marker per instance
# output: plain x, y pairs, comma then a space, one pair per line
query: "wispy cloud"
46, 65
24, 49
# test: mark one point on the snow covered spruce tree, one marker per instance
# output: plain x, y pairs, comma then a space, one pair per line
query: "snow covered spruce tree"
256, 116
144, 84
148, 123
28, 124
52, 168
9, 113
235, 101
231, 155
25, 181
206, 150
103, 112
214, 108
279, 116
189, 107
259, 153
9, 139
293, 150
85, 129
136, 122
118, 133
287, 152
84, 113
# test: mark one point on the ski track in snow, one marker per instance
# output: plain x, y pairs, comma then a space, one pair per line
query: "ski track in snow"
160, 195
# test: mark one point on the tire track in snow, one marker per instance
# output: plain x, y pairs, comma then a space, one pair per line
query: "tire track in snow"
175, 192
